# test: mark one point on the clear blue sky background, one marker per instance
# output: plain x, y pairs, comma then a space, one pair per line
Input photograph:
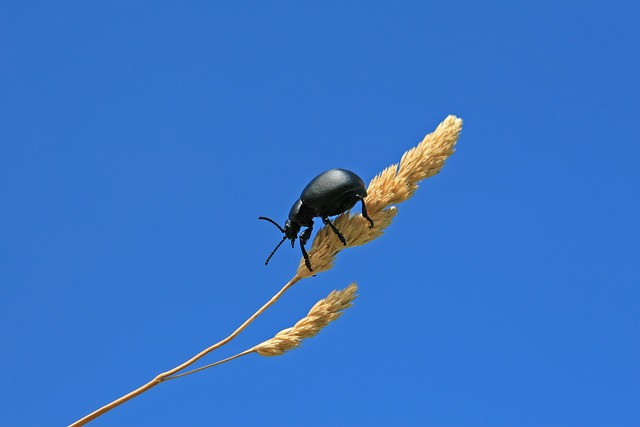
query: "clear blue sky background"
140, 141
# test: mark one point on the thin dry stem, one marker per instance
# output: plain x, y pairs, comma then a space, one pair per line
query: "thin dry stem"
321, 314
163, 376
393, 185
210, 365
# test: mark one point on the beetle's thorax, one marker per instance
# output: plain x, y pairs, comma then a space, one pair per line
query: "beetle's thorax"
301, 215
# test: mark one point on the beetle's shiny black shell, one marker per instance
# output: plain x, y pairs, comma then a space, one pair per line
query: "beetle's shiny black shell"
333, 192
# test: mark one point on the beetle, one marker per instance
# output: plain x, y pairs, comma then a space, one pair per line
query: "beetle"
328, 194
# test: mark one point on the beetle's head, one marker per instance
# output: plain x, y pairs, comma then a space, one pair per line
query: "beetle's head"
290, 231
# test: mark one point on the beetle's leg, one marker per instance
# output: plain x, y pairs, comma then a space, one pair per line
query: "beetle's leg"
304, 237
335, 230
305, 255
364, 210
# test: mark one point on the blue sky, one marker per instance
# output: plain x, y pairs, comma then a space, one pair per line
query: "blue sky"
139, 143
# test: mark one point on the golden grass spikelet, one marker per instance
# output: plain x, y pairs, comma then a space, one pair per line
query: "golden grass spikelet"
393, 185
324, 311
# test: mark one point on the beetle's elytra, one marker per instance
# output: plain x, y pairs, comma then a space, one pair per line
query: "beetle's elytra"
330, 193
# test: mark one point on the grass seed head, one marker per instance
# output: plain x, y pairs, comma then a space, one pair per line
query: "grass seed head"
393, 185
321, 314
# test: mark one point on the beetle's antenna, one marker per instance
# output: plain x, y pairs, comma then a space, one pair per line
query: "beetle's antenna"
274, 251
274, 223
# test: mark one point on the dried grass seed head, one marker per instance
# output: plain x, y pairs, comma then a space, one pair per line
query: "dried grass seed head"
393, 185
321, 314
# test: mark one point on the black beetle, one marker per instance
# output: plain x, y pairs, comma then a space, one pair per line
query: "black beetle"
330, 193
